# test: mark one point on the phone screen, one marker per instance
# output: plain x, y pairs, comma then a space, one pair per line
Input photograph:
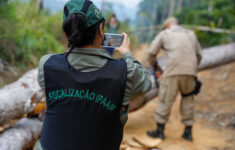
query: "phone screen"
113, 40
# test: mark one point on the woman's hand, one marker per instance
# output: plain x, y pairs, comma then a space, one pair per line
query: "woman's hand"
126, 45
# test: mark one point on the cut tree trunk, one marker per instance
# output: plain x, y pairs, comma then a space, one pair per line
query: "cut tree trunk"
20, 97
22, 135
25, 93
211, 57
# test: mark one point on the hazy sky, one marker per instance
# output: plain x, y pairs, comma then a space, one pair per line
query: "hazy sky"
127, 3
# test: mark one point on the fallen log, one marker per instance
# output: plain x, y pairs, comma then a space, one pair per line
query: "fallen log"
217, 56
211, 57
22, 135
19, 97
22, 96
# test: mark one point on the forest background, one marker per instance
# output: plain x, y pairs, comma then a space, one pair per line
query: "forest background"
28, 30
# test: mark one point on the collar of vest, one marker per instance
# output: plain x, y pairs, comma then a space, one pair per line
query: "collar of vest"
92, 51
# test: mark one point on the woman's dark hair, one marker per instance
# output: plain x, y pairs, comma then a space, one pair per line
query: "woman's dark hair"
75, 27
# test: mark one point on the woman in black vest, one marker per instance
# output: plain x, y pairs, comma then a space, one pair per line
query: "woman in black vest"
87, 91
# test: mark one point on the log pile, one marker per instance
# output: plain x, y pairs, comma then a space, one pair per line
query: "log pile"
22, 96
22, 135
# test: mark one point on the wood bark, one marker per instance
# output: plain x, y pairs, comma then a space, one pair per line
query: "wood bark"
211, 57
19, 97
22, 135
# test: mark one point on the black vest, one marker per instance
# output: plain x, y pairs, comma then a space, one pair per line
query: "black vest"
83, 108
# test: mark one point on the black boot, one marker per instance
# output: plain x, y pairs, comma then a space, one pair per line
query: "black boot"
188, 133
159, 132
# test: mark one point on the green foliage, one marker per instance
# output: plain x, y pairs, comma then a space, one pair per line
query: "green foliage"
212, 13
125, 27
28, 33
221, 15
151, 12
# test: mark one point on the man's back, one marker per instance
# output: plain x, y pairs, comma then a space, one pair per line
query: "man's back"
183, 50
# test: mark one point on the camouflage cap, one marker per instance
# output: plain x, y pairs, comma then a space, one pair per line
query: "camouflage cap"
84, 7
170, 20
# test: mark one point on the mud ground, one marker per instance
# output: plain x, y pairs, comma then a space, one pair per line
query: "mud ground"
214, 127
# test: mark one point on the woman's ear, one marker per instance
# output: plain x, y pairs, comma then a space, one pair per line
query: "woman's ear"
67, 39
66, 36
101, 29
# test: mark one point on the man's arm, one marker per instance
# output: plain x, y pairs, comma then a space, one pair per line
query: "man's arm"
198, 52
154, 48
198, 49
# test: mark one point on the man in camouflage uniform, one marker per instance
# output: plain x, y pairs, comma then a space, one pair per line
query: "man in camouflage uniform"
183, 51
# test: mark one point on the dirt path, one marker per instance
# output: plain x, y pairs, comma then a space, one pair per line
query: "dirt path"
214, 114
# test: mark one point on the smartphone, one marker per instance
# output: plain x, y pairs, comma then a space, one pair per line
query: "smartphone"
112, 41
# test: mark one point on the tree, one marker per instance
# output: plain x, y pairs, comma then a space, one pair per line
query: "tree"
39, 4
210, 6
24, 39
180, 4
3, 2
172, 8
211, 13
150, 13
